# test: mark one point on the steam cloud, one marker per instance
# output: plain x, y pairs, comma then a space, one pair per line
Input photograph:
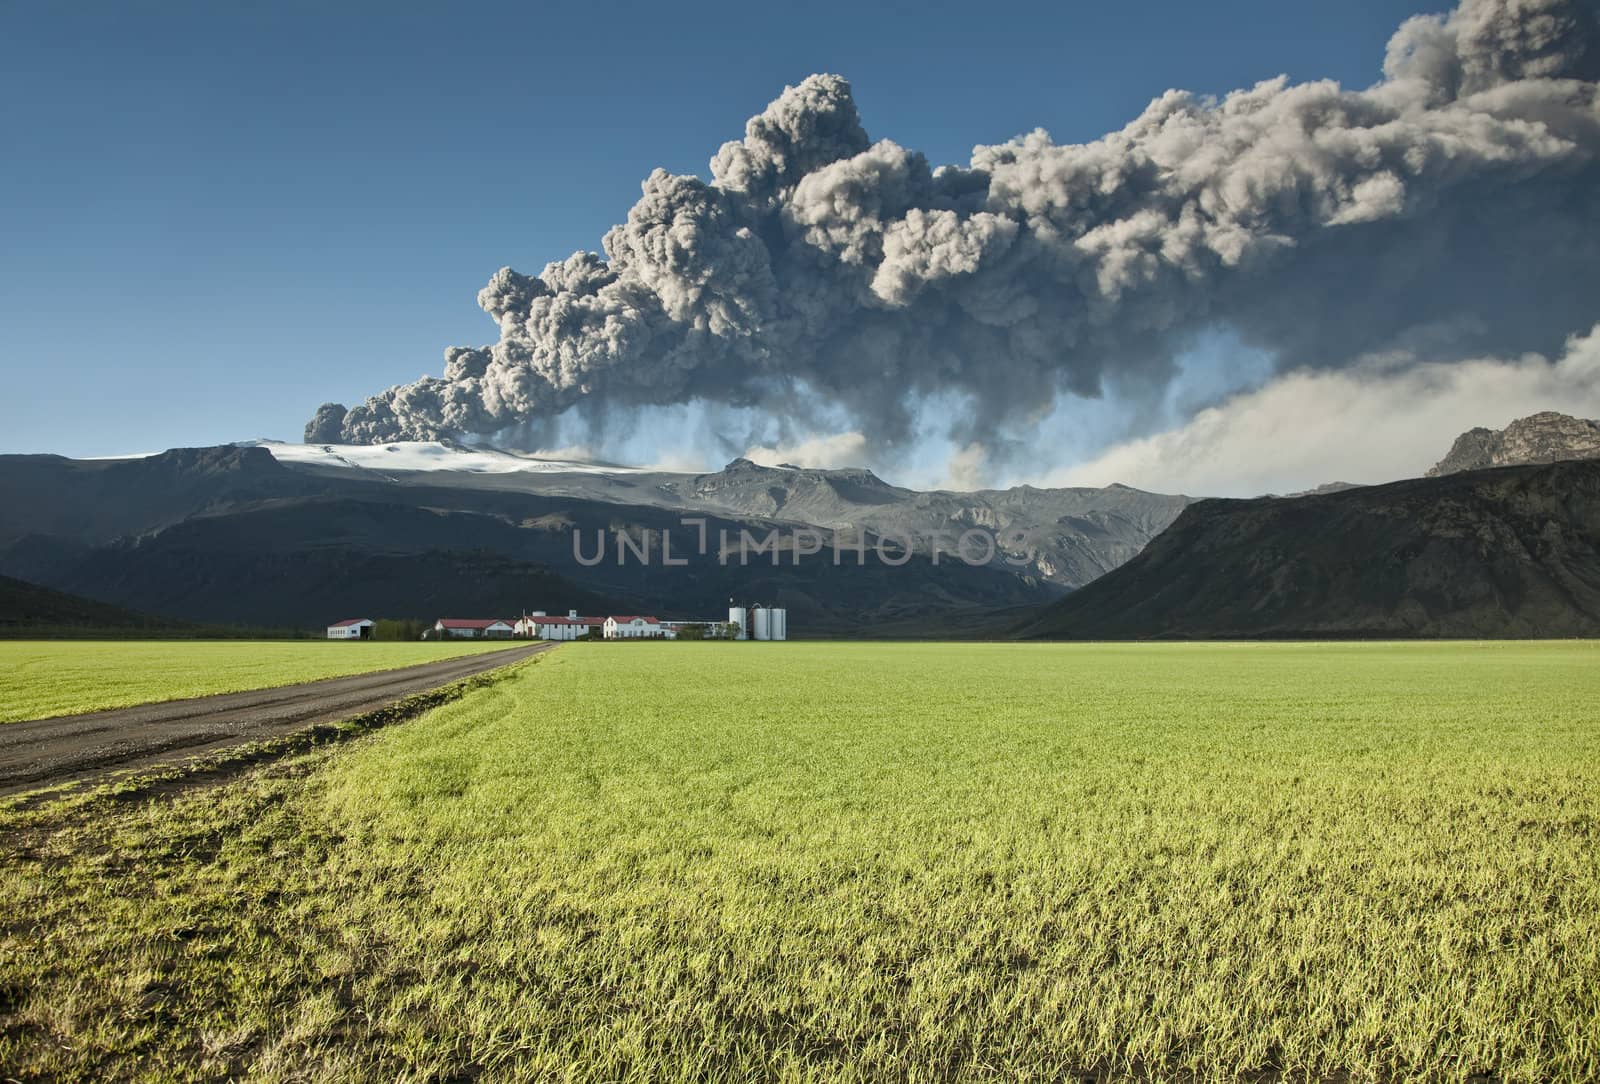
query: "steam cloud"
1447, 212
1297, 431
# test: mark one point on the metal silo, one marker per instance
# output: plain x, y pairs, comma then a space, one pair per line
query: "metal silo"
780, 624
737, 615
763, 623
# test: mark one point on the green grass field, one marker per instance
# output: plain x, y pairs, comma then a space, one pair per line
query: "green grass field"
857, 862
39, 679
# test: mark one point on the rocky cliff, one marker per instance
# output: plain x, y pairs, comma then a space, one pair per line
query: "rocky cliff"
1546, 437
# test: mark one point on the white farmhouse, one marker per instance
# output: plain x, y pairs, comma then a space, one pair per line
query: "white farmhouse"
636, 628
544, 627
353, 628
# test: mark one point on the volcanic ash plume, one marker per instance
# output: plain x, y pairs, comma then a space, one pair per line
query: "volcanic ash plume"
1447, 211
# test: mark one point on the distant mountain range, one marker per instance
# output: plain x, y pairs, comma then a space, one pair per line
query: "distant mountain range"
1066, 537
281, 535
297, 535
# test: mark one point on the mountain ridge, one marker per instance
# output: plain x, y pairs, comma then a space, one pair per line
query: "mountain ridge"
194, 535
1061, 536
1507, 552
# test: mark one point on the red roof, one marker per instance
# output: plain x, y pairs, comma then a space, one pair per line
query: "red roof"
625, 620
351, 621
565, 620
472, 622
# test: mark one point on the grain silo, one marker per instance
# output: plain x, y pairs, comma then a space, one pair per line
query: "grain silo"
738, 618
762, 618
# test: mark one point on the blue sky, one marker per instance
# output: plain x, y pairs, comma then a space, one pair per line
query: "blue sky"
215, 217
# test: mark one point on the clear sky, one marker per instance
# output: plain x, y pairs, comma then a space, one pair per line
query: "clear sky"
214, 217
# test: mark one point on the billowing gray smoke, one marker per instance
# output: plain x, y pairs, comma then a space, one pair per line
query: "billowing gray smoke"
1451, 209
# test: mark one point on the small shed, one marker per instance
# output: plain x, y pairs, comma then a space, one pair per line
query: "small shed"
353, 628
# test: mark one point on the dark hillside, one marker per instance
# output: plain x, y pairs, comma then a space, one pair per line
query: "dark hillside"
1511, 552
27, 609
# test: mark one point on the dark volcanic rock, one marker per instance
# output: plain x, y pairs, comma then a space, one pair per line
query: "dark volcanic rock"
1513, 552
1547, 437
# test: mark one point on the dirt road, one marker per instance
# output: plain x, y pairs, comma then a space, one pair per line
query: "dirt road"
74, 748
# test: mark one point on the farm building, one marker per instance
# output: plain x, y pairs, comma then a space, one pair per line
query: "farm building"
473, 628
354, 628
539, 626
636, 628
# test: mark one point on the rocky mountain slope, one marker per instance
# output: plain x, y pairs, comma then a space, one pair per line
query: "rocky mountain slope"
1546, 437
1065, 537
1513, 552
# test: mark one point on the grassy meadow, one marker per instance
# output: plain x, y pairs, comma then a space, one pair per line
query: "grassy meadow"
856, 862
41, 678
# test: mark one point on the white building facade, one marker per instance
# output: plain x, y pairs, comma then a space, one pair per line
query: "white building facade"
355, 628
636, 628
544, 627
474, 628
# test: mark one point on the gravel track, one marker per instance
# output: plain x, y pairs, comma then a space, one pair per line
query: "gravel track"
76, 748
